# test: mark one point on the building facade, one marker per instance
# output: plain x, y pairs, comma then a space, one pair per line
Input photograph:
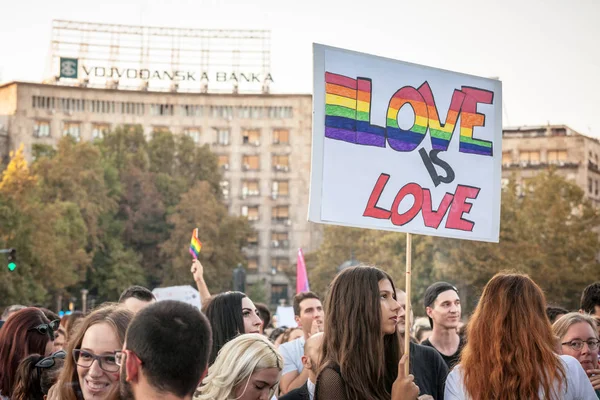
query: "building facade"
263, 144
527, 150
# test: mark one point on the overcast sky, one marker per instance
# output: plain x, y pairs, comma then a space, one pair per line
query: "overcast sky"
547, 53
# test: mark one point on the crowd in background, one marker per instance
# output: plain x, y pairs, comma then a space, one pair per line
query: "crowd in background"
349, 346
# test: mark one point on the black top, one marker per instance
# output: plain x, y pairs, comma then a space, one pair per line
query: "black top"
429, 369
300, 393
452, 360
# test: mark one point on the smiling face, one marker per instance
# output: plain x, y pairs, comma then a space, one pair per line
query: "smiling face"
389, 307
95, 383
584, 332
251, 317
259, 386
445, 310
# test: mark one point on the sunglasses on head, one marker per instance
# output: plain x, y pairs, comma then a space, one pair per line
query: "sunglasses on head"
48, 362
47, 329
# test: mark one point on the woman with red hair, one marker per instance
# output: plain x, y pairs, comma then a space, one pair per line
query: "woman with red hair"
509, 353
25, 332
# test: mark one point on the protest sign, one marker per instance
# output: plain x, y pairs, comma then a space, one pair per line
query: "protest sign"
184, 293
405, 147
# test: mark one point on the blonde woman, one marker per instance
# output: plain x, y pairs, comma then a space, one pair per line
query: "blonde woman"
247, 368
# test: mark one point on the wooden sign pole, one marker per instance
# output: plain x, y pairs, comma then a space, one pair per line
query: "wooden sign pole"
408, 304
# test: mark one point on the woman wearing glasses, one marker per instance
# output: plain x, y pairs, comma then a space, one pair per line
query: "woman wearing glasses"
25, 332
90, 370
579, 338
36, 375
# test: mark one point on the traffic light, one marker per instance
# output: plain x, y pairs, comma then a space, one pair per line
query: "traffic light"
12, 260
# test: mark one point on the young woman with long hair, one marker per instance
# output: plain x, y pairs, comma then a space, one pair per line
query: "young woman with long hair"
25, 332
90, 370
247, 368
578, 336
509, 353
36, 375
231, 314
361, 348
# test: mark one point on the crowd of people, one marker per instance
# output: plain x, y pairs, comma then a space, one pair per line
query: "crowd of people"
349, 347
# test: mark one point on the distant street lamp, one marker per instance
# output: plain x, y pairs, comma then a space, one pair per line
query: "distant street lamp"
84, 293
352, 262
239, 279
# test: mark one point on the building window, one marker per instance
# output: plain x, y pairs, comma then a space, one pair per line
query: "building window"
529, 157
252, 264
596, 187
223, 161
225, 112
280, 188
280, 214
250, 188
161, 109
280, 240
590, 185
190, 111
72, 129
280, 264
506, 158
250, 163
43, 102
253, 240
193, 133
160, 129
557, 156
281, 162
41, 129
223, 135
251, 212
100, 130
279, 112
224, 189
281, 136
278, 292
251, 136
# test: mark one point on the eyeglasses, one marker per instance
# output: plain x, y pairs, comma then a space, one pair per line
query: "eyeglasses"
47, 329
119, 356
85, 359
48, 362
578, 344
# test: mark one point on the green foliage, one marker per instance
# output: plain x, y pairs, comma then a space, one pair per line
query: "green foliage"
548, 230
113, 213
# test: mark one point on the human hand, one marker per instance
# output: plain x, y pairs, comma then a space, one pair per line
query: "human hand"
404, 387
53, 393
197, 270
425, 397
594, 375
316, 327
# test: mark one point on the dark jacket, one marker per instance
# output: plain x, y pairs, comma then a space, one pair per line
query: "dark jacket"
297, 394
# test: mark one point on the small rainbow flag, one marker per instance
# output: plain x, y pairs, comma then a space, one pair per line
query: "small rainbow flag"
195, 244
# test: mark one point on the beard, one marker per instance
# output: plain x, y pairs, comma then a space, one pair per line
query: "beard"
125, 387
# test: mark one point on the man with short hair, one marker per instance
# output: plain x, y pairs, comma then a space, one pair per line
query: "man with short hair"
310, 361
135, 298
590, 300
309, 315
8, 311
442, 305
555, 313
426, 364
165, 354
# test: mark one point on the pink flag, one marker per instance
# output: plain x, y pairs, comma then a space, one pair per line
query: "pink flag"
301, 276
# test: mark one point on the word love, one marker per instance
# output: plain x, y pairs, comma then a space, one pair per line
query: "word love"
348, 116
455, 205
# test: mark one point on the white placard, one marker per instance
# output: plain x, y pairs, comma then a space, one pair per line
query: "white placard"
185, 293
405, 147
285, 317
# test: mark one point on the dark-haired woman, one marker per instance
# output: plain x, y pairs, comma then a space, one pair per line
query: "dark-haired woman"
36, 375
361, 347
510, 352
25, 332
231, 314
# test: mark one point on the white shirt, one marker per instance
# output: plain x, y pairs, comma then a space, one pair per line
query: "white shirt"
578, 385
292, 353
311, 389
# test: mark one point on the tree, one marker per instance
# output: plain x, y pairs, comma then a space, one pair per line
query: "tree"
221, 234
